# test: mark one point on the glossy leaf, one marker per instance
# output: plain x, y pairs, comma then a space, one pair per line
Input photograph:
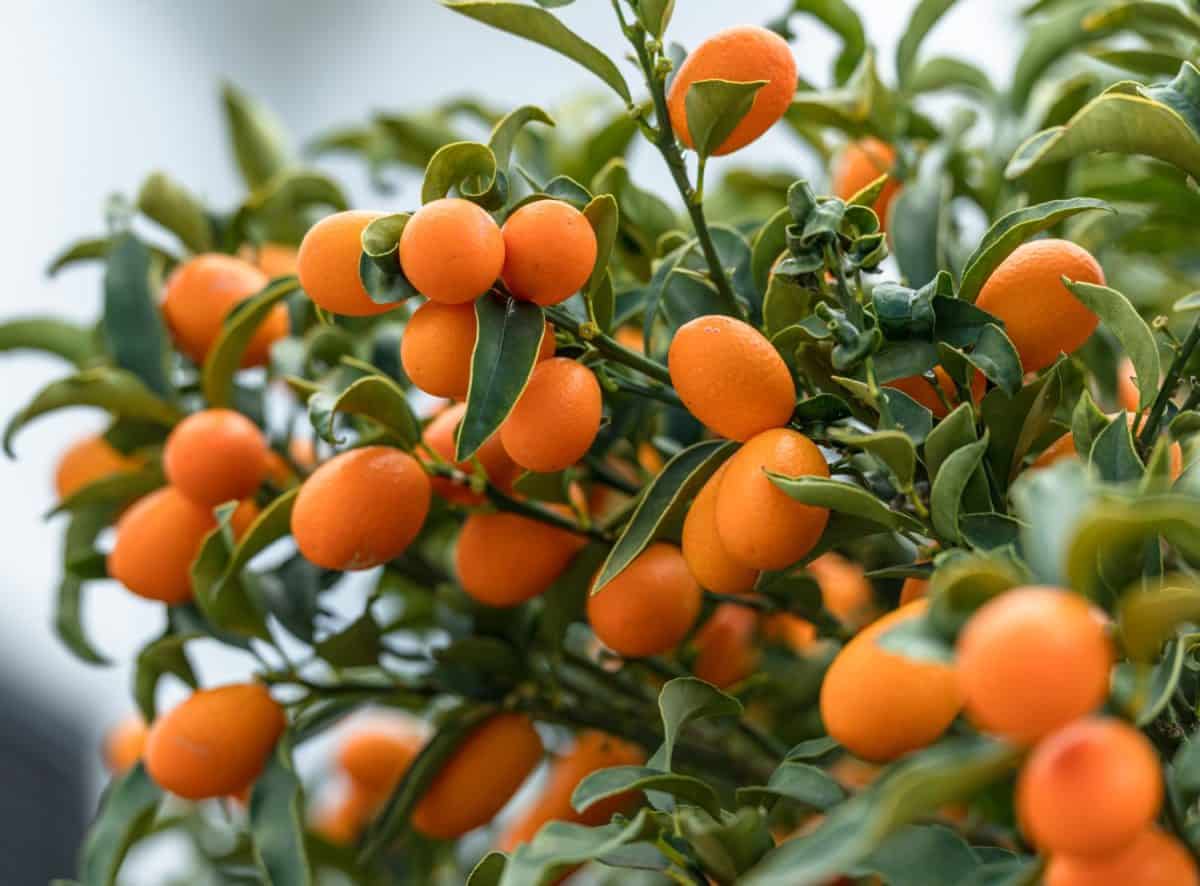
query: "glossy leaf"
605, 784
1013, 229
126, 813
662, 502
1137, 340
843, 498
375, 397
506, 348
133, 323
114, 390
225, 356
715, 108
542, 27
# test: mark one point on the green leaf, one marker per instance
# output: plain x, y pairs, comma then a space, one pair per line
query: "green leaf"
1126, 119
797, 782
218, 593
604, 217
945, 500
655, 15
616, 780
126, 813
506, 348
376, 397
920, 23
662, 502
468, 166
173, 206
120, 393
1122, 319
158, 658
947, 772
560, 846
685, 700
894, 448
1114, 455
715, 108
277, 822
89, 249
1013, 229
74, 343
258, 139
843, 498
379, 267
839, 17
505, 132
396, 816
541, 27
225, 356
1150, 615
356, 645
133, 323
1107, 544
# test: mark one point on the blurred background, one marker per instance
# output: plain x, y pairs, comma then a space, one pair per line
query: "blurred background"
97, 96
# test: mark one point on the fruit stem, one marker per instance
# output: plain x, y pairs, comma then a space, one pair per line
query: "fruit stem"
611, 348
1154, 420
668, 146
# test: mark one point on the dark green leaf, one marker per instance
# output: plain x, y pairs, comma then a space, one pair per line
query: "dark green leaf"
541, 27
1013, 229
506, 348
662, 501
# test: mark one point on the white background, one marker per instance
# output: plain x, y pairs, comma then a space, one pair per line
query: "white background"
98, 94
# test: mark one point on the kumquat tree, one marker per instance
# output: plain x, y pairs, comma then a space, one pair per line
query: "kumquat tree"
771, 531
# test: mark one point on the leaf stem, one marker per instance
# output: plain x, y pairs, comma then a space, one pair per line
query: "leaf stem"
591, 334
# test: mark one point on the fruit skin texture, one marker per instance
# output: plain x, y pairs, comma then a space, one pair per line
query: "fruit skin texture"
1090, 788
328, 265
881, 705
709, 562
556, 419
759, 524
124, 744
730, 377
725, 646
451, 251
482, 775
859, 164
592, 751
919, 389
361, 508
649, 608
742, 54
501, 470
157, 539
1152, 859
504, 559
1040, 314
87, 461
215, 743
215, 456
436, 348
198, 297
376, 758
549, 252
1032, 660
